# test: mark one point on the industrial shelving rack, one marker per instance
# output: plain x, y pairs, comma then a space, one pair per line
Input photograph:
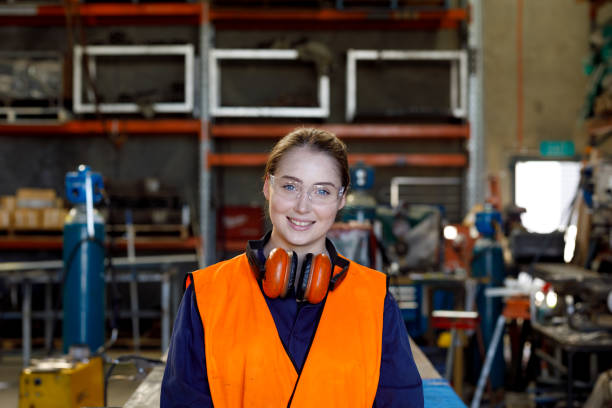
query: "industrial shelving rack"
208, 19
597, 127
335, 19
101, 14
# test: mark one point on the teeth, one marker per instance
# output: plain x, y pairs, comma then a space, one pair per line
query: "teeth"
300, 223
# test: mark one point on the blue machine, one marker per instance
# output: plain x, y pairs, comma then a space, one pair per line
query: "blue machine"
83, 254
488, 263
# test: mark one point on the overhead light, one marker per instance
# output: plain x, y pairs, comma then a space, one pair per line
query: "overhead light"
551, 299
539, 298
450, 232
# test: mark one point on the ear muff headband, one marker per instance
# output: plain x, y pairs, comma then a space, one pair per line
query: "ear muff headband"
316, 278
253, 249
304, 277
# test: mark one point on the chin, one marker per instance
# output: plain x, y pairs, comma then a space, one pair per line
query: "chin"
308, 238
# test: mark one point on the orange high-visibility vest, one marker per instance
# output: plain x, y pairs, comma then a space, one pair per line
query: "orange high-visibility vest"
247, 364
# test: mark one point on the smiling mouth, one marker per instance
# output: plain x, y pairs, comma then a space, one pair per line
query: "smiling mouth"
300, 223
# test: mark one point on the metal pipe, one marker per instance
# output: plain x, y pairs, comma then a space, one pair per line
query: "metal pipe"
26, 323
486, 368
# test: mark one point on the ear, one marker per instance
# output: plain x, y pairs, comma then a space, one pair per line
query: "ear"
342, 202
266, 188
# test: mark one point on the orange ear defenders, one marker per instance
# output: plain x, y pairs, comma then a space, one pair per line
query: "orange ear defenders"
279, 272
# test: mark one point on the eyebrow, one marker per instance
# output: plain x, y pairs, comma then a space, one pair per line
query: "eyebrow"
324, 183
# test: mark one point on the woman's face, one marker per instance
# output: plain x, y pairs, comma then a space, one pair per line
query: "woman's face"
299, 222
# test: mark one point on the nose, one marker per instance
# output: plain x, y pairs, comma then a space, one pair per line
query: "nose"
303, 202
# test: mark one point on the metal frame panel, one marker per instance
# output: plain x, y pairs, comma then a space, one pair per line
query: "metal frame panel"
187, 50
396, 182
458, 74
216, 110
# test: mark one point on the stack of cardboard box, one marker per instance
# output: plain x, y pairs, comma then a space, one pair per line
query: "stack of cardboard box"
32, 209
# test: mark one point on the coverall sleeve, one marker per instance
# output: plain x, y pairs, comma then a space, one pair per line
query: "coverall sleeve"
400, 383
185, 382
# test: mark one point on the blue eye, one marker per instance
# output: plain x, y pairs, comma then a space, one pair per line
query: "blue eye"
322, 192
289, 187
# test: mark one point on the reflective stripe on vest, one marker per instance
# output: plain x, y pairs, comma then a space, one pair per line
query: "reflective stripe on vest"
247, 364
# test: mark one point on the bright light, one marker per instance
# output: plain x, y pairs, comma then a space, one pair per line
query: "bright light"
570, 243
551, 299
545, 189
539, 298
450, 232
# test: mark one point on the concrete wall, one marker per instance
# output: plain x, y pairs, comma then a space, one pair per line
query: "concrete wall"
555, 41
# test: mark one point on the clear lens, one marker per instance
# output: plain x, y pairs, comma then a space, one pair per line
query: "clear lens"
317, 193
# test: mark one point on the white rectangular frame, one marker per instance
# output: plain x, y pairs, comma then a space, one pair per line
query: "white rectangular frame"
215, 55
458, 74
396, 182
187, 50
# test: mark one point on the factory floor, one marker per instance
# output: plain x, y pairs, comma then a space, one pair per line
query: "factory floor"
119, 390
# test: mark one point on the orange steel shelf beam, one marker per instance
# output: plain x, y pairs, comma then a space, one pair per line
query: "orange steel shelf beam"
237, 159
31, 243
365, 131
104, 14
410, 159
372, 159
113, 126
246, 18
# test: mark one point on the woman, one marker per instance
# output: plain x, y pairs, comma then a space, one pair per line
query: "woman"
290, 322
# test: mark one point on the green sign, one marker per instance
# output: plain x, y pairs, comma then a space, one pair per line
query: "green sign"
557, 148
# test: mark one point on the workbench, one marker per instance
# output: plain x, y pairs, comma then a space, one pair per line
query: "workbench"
438, 393
135, 270
568, 278
566, 275
572, 342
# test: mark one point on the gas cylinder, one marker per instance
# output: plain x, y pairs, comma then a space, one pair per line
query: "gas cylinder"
83, 255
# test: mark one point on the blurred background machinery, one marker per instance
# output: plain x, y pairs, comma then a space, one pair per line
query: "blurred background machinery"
31, 85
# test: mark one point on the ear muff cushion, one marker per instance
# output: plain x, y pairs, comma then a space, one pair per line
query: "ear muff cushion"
276, 280
318, 279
